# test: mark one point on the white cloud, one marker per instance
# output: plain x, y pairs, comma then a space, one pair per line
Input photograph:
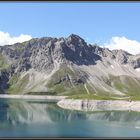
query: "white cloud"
7, 39
131, 46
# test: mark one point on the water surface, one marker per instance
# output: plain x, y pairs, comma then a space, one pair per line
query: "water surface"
21, 118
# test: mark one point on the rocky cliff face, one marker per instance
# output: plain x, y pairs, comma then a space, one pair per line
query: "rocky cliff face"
67, 66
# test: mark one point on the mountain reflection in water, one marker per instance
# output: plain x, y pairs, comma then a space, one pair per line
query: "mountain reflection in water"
27, 112
37, 118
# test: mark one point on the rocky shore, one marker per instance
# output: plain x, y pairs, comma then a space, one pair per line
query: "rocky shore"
82, 105
99, 105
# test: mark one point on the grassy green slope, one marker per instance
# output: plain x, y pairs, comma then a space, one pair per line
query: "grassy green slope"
16, 85
67, 82
125, 84
72, 83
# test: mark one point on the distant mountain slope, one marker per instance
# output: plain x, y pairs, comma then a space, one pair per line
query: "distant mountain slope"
68, 66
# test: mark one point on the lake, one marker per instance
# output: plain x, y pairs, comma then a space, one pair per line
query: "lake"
29, 118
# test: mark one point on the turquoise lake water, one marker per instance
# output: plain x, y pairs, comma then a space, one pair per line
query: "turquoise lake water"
21, 118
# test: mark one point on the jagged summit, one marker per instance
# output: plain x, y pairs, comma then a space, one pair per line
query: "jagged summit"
40, 53
75, 37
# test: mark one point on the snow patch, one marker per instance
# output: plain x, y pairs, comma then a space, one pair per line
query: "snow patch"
112, 66
137, 69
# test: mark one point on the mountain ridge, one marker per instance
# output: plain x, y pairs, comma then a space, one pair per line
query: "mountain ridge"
68, 66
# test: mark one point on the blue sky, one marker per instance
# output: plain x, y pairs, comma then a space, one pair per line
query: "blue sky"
95, 22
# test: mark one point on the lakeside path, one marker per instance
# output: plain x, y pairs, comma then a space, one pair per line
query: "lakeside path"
37, 97
99, 105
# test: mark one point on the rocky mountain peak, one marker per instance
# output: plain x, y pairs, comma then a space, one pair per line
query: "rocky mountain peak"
76, 40
75, 37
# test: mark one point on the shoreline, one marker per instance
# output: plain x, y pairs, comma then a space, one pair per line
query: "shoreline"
99, 105
82, 104
39, 97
